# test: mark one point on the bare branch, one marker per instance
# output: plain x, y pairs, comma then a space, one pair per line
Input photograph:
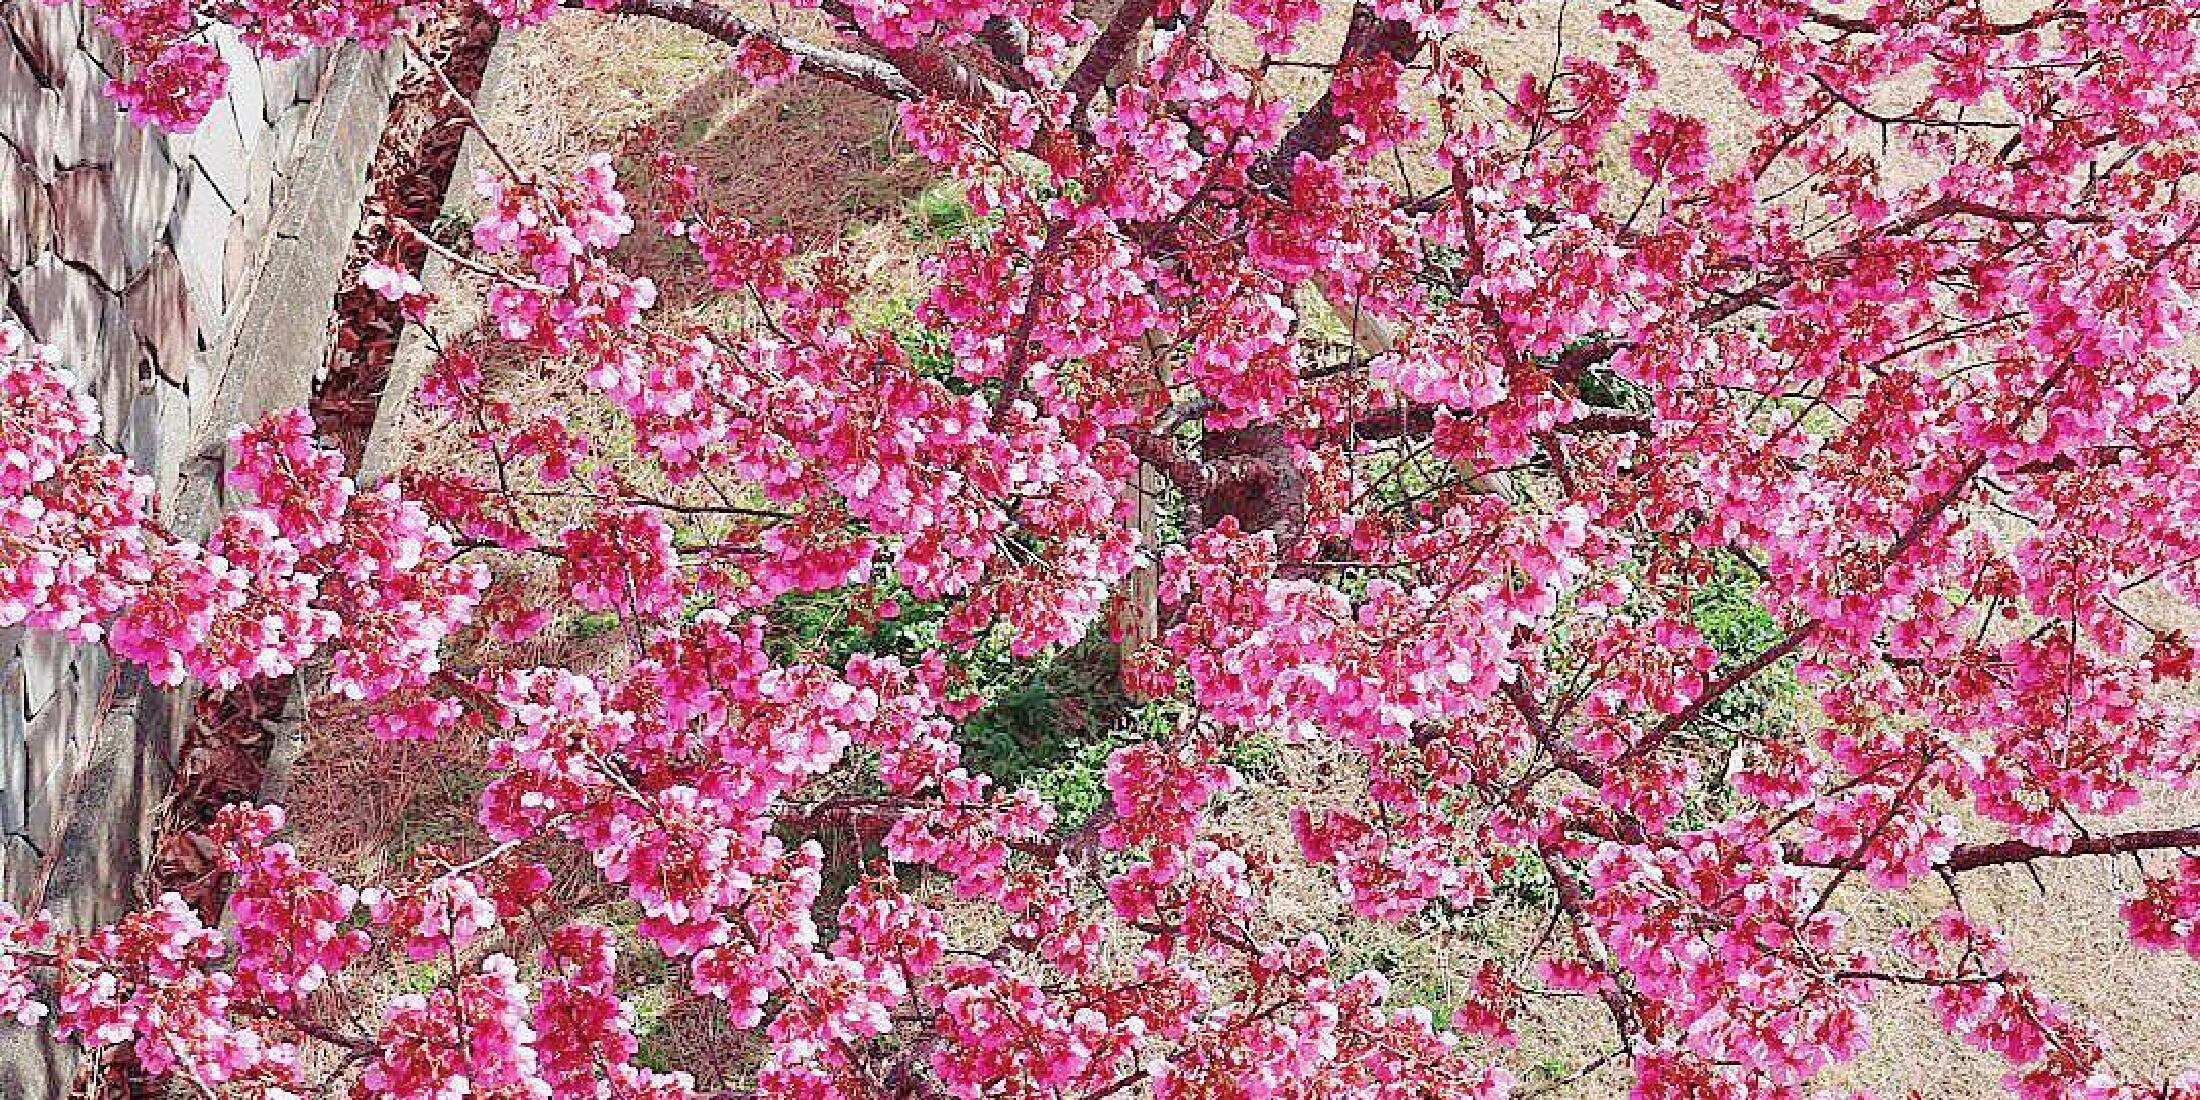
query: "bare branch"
899, 75
1971, 857
1108, 49
1320, 131
869, 74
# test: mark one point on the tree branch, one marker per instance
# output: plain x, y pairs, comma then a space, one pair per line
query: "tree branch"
864, 73
1162, 453
901, 75
1971, 857
1107, 50
931, 70
1926, 517
1421, 419
1320, 131
1741, 673
1005, 39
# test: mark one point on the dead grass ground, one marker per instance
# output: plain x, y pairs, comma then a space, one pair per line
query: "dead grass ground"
824, 164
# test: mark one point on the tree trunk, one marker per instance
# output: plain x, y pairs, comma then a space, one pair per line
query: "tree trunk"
1253, 480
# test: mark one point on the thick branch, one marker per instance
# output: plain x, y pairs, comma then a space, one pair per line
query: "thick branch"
1162, 453
1971, 857
931, 70
1568, 758
1320, 131
1108, 49
901, 75
1573, 901
1005, 39
855, 70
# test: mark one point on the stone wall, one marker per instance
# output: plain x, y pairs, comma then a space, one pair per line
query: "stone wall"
188, 281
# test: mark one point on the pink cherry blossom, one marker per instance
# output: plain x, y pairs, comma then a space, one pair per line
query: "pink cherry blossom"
1664, 526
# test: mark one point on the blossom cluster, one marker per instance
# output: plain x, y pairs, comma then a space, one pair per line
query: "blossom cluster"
312, 566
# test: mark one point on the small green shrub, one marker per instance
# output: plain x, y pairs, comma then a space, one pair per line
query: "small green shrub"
1739, 628
939, 212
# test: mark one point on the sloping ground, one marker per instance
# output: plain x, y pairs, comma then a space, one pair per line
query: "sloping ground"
823, 163
808, 158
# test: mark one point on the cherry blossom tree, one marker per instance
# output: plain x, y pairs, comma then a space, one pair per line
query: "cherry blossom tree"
1465, 382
